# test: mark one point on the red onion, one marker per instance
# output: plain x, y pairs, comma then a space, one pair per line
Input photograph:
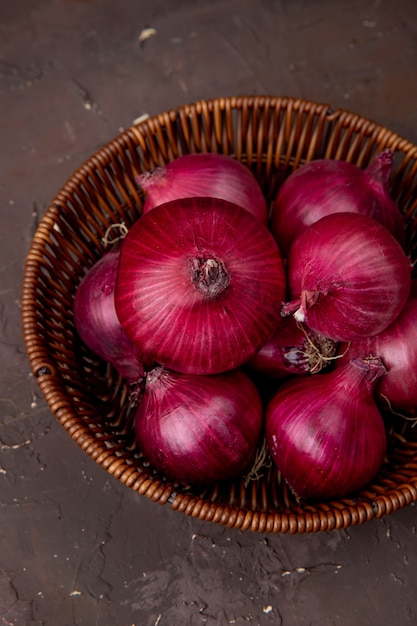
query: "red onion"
199, 429
348, 277
396, 346
97, 323
200, 285
204, 175
294, 349
325, 433
326, 186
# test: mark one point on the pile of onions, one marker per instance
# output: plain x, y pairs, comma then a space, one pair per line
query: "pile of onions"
326, 186
197, 308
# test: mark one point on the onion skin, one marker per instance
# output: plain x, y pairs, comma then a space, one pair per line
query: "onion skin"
97, 323
396, 346
293, 350
348, 277
204, 174
326, 186
199, 429
200, 285
325, 433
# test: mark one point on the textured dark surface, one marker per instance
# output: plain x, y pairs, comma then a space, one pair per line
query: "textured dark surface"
78, 547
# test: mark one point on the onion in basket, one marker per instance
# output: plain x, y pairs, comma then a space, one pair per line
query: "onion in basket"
97, 323
204, 174
199, 286
326, 186
293, 350
397, 348
325, 433
199, 429
347, 277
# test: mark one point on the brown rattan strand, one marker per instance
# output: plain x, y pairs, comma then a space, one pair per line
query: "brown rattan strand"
272, 136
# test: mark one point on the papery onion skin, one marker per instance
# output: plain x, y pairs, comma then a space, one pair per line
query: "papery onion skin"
198, 429
396, 346
200, 285
347, 277
96, 321
326, 186
204, 174
325, 433
293, 350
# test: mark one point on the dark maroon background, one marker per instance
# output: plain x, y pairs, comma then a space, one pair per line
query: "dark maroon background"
78, 547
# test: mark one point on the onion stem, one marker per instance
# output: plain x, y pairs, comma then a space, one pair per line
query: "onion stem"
209, 276
409, 418
262, 459
299, 307
109, 240
315, 356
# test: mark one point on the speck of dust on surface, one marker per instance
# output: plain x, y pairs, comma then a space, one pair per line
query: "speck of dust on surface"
266, 609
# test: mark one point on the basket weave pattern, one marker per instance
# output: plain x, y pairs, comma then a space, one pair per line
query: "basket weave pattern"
273, 136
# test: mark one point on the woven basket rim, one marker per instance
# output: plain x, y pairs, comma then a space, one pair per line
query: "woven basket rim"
328, 516
393, 140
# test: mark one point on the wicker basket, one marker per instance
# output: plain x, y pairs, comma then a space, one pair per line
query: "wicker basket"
273, 136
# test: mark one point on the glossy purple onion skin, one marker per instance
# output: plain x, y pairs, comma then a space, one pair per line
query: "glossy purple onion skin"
293, 350
204, 174
199, 429
396, 346
96, 320
347, 276
160, 302
325, 433
326, 186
